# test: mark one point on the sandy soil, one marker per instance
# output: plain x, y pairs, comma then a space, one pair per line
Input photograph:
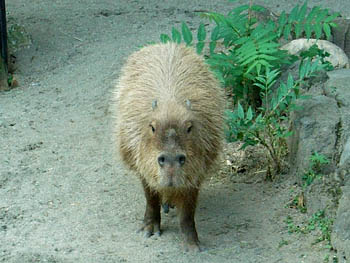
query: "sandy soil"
63, 196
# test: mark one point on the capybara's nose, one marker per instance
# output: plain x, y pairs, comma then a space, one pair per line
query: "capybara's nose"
180, 159
162, 160
168, 159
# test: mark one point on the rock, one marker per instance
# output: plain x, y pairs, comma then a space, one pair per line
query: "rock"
345, 156
322, 125
341, 34
337, 57
338, 88
341, 227
313, 131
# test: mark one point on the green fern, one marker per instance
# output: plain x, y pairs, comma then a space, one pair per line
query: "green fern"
251, 63
300, 23
265, 126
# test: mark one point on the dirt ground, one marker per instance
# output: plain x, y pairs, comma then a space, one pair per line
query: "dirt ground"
63, 195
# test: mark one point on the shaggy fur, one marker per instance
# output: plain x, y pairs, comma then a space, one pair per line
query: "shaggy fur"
169, 129
170, 74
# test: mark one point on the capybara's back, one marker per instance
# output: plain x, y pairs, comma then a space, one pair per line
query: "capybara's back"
169, 128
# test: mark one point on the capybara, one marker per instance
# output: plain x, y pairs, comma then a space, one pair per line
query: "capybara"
169, 129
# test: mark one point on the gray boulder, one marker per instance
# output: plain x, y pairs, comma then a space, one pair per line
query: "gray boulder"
341, 227
314, 130
341, 34
338, 88
323, 125
337, 57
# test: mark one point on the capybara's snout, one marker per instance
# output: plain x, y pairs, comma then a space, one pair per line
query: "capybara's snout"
171, 160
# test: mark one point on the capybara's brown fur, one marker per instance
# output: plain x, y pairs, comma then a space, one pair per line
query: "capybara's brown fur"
169, 128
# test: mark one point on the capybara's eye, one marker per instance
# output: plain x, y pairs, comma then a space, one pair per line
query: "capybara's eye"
189, 129
153, 129
188, 126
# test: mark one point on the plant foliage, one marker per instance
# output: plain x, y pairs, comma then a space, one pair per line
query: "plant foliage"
245, 55
318, 222
316, 162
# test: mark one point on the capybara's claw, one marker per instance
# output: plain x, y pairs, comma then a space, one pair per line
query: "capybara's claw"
150, 230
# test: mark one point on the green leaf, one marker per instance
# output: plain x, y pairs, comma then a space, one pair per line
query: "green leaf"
281, 22
249, 114
301, 15
201, 34
265, 63
312, 14
217, 18
240, 111
321, 15
286, 31
252, 66
327, 30
164, 38
308, 30
241, 41
199, 47
212, 47
215, 33
247, 60
282, 19
239, 9
318, 31
293, 15
261, 86
298, 29
290, 81
187, 34
333, 24
258, 8
258, 68
331, 17
302, 71
286, 134
267, 57
259, 118
176, 36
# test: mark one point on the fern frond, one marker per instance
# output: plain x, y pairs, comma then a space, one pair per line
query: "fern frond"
300, 23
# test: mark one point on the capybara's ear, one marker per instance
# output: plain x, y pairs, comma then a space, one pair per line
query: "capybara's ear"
153, 126
188, 126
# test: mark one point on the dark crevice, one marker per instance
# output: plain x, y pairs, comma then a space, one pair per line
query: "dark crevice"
338, 144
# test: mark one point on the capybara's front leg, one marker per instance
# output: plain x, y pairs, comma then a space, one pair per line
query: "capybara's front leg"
151, 221
186, 211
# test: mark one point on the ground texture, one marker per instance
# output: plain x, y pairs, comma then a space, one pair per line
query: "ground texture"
63, 195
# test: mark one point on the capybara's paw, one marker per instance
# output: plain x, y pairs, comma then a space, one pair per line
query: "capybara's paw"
150, 229
192, 247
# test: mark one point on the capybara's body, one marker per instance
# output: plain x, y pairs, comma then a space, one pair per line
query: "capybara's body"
169, 109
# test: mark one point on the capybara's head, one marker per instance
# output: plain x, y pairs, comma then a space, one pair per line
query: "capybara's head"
169, 116
169, 144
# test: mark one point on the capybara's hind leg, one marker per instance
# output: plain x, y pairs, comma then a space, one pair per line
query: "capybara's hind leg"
186, 210
151, 221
